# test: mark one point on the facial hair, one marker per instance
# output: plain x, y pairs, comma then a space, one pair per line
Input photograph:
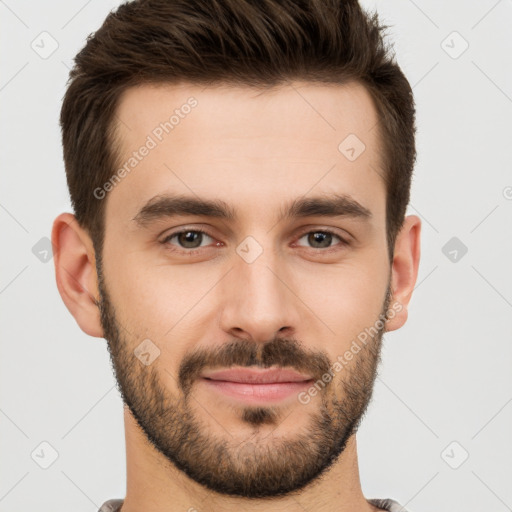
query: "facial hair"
261, 467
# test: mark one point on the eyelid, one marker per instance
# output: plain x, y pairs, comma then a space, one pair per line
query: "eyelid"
185, 230
344, 239
343, 235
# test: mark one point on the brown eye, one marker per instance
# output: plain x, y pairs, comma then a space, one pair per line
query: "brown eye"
187, 239
322, 239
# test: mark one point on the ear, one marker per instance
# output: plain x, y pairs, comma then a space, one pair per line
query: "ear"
75, 272
404, 271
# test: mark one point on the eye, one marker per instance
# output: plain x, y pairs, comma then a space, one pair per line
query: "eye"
188, 239
322, 239
191, 241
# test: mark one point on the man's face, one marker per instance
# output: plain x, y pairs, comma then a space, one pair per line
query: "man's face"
259, 289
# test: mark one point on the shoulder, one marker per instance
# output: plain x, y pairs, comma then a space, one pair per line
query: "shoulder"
387, 504
111, 505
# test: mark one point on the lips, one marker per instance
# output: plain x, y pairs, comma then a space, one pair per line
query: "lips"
256, 376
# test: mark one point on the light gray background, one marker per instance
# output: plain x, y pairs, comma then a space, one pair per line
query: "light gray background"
446, 375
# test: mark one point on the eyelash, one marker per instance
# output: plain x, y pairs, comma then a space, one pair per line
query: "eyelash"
191, 252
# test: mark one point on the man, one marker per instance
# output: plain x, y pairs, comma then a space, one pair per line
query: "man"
239, 172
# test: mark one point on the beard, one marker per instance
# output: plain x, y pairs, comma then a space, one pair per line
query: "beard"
264, 466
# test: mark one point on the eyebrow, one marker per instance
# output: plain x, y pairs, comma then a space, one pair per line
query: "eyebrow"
168, 206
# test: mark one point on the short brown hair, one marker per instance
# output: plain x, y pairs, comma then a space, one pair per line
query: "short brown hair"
258, 43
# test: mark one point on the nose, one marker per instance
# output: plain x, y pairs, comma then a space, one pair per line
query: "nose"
260, 300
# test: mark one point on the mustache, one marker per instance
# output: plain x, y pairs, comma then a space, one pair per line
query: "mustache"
281, 352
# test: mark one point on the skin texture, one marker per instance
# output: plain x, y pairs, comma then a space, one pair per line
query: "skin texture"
300, 304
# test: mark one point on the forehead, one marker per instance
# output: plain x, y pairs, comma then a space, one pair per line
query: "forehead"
248, 147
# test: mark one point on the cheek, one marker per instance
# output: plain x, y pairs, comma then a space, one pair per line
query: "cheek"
347, 299
160, 302
142, 303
